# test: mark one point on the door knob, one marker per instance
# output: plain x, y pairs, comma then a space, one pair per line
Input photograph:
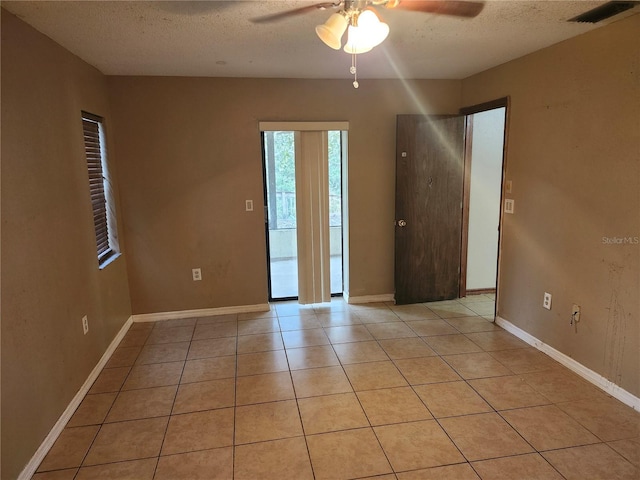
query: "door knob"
402, 223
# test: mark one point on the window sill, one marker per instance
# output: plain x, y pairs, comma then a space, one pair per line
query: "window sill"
109, 261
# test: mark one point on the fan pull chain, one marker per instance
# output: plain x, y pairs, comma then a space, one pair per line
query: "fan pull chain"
354, 70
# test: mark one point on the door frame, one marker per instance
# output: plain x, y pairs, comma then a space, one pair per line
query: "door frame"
305, 126
468, 111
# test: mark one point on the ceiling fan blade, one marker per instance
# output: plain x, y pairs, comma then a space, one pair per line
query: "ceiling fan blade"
441, 7
296, 11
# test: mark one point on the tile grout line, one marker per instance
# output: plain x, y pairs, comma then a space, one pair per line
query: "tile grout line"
235, 404
101, 425
499, 414
295, 395
427, 407
84, 459
355, 394
166, 429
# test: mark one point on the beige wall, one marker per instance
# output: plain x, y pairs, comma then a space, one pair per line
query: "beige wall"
50, 275
574, 157
189, 155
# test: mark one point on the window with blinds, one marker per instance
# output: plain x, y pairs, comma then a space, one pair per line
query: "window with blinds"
101, 202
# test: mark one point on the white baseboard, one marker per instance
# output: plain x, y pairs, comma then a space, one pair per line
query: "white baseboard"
31, 467
203, 312
595, 378
385, 297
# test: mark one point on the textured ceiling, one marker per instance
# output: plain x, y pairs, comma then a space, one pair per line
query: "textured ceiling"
216, 38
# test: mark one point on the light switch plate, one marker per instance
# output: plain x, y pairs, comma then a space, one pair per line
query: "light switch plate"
248, 205
509, 205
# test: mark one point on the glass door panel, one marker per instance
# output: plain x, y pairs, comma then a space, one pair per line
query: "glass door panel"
280, 200
280, 175
335, 210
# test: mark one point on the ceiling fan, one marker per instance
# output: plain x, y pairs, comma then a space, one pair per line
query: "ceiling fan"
468, 9
362, 21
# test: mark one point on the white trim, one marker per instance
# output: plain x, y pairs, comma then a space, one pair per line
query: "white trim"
385, 297
31, 467
586, 373
203, 312
302, 126
33, 464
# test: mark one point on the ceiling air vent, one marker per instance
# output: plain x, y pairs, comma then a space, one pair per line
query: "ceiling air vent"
603, 12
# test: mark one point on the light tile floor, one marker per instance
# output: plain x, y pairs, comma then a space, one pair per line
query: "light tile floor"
337, 391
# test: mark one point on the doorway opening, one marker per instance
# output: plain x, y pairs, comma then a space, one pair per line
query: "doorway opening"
303, 198
484, 167
434, 196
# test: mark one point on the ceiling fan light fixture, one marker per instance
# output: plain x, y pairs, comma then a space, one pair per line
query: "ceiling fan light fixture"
331, 31
367, 33
356, 41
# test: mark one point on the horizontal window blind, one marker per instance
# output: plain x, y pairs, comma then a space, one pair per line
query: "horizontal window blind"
91, 126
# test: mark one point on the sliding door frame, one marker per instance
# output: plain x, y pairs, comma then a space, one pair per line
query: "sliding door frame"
296, 127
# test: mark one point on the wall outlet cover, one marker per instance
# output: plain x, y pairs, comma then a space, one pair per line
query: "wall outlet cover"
546, 301
197, 274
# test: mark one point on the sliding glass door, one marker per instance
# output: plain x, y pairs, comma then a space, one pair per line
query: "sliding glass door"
292, 195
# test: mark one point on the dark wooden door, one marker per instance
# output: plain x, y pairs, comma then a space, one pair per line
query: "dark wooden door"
429, 174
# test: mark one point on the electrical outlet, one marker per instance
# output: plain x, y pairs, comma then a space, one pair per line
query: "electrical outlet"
85, 324
197, 274
546, 301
